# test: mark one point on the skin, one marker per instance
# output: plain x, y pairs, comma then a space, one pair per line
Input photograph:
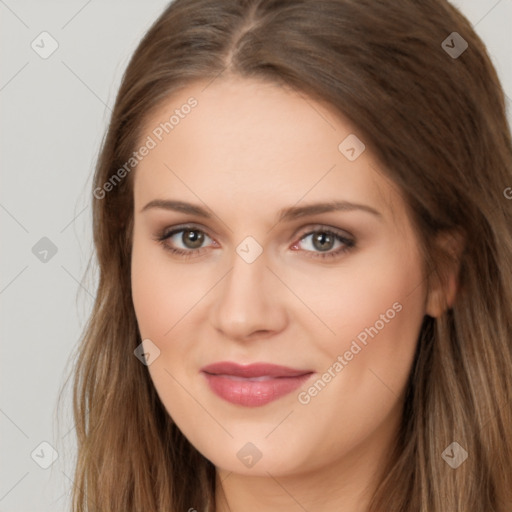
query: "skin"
247, 150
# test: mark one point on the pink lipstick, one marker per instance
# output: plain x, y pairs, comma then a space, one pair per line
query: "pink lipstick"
255, 384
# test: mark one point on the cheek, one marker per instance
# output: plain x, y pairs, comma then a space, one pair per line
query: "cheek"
375, 308
386, 303
374, 294
150, 299
377, 319
388, 326
162, 294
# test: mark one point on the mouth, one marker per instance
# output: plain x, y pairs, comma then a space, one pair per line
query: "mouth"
253, 385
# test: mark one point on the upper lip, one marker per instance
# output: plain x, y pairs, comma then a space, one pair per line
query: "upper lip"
252, 370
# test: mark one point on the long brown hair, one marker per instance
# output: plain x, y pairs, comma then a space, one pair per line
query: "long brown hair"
436, 122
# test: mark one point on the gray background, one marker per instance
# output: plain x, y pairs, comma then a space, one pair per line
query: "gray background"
54, 114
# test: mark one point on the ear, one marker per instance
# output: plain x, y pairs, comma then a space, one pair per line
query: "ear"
444, 280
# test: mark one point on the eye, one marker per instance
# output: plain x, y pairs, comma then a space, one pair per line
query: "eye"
324, 240
191, 239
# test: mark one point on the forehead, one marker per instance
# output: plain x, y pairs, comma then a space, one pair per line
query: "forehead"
246, 143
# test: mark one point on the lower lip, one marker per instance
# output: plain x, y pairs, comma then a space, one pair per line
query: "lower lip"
252, 393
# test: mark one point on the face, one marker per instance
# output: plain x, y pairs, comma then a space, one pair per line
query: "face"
254, 276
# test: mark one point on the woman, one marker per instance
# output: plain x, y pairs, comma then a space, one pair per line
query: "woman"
304, 241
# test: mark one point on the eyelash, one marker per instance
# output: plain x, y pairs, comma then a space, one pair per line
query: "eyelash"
349, 244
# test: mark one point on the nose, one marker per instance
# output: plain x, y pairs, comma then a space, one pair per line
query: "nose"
249, 301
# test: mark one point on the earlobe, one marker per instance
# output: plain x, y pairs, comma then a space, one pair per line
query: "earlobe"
444, 280
442, 297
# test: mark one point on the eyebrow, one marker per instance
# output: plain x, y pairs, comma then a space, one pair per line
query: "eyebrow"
286, 214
